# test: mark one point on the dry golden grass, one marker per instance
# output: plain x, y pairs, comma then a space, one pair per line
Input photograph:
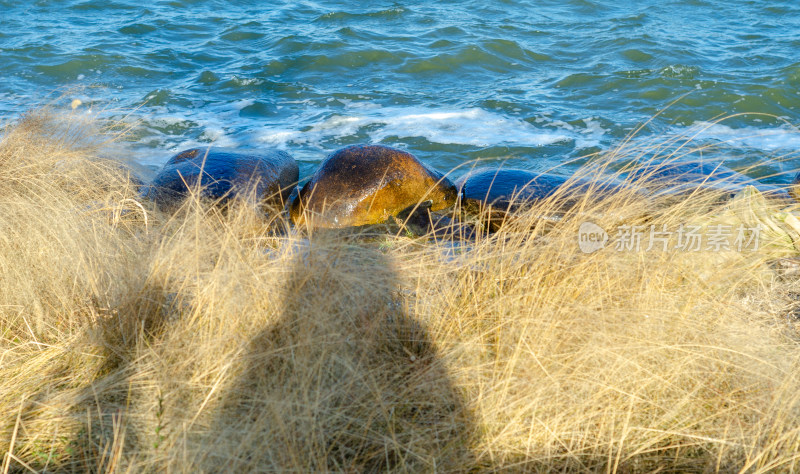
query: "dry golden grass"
136, 341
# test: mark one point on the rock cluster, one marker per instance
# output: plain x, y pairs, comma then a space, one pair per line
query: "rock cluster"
374, 184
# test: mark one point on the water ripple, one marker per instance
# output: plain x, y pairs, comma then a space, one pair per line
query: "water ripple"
496, 80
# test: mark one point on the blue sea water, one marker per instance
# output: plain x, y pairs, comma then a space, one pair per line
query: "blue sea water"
534, 84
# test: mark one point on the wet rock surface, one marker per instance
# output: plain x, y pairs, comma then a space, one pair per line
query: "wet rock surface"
267, 176
421, 221
367, 184
501, 191
507, 189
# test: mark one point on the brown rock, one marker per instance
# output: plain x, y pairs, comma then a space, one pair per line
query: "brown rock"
367, 184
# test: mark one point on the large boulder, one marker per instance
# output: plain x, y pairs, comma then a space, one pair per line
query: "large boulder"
508, 189
497, 192
267, 176
366, 184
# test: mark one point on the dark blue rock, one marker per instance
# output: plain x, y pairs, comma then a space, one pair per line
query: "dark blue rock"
506, 189
794, 189
268, 176
494, 193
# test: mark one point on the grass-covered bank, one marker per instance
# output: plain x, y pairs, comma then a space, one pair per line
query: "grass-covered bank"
135, 341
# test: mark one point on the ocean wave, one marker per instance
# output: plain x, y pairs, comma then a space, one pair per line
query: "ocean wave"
773, 139
389, 13
472, 126
466, 58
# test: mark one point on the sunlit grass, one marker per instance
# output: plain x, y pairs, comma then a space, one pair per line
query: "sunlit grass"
132, 340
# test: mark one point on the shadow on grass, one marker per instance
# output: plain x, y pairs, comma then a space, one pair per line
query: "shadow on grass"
345, 380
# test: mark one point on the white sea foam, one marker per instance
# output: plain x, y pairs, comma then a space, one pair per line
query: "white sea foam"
279, 138
241, 104
167, 120
313, 131
773, 139
166, 133
473, 126
218, 136
591, 135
